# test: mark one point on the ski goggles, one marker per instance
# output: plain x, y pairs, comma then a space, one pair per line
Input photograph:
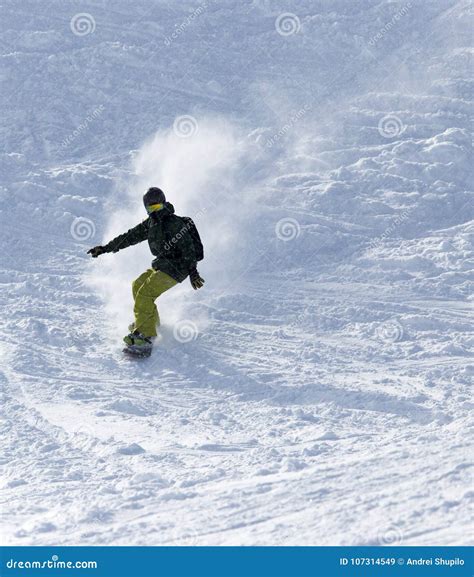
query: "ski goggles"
153, 207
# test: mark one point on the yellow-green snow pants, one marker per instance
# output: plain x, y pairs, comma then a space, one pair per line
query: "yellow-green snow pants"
146, 289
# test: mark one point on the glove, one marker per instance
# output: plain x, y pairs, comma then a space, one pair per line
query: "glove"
96, 251
197, 281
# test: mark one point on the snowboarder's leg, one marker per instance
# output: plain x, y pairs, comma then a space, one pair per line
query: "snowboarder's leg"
139, 281
146, 313
136, 286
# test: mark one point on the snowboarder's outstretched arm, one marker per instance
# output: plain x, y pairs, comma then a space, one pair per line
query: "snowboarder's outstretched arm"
133, 236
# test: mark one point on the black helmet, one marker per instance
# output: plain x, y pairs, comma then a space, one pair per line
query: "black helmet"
154, 195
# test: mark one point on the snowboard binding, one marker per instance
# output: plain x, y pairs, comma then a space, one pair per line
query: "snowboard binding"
137, 345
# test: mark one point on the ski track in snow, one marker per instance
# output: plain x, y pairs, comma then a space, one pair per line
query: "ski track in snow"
325, 397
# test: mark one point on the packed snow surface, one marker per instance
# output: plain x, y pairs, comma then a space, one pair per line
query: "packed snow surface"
316, 391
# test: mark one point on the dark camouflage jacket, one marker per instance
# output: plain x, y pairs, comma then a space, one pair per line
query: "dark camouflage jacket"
169, 240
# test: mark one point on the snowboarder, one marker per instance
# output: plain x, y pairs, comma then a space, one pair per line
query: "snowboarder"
176, 245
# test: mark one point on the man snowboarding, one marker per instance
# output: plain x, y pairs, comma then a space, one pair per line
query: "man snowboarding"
176, 245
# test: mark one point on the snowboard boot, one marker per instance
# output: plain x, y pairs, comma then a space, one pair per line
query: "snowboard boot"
138, 344
131, 328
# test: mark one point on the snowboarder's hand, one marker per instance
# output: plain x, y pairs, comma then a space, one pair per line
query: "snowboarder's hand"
96, 251
197, 281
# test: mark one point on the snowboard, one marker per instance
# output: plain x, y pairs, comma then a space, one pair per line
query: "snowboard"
137, 352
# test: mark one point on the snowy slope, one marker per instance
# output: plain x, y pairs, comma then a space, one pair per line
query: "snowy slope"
316, 392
